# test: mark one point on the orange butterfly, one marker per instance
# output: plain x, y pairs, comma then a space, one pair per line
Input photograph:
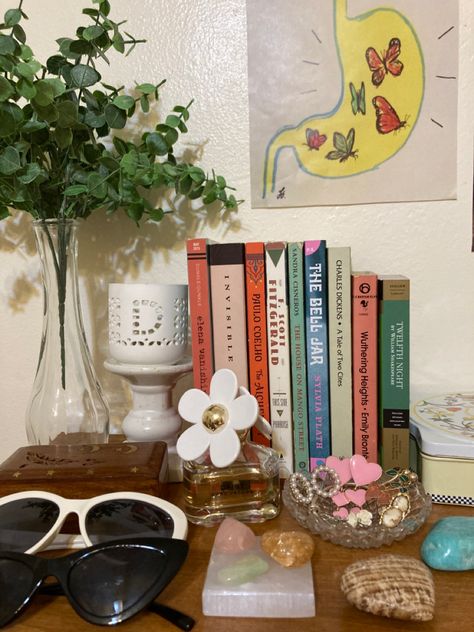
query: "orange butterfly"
388, 63
387, 119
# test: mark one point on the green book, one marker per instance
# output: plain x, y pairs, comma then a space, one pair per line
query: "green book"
298, 356
394, 370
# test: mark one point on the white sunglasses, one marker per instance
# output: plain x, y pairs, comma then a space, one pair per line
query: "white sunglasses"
31, 521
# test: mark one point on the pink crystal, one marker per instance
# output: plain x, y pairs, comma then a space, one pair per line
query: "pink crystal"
233, 537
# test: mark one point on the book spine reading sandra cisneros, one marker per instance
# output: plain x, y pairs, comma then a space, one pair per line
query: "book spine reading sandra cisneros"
394, 370
257, 332
279, 355
299, 387
200, 312
365, 364
229, 326
317, 352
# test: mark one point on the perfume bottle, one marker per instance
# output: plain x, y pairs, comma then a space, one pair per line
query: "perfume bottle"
248, 489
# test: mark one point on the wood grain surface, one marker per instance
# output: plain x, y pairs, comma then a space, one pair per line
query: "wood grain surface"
454, 611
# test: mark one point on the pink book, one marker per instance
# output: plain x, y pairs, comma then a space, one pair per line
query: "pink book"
364, 364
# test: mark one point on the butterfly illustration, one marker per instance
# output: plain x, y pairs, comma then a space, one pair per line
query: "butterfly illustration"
358, 98
343, 146
314, 139
387, 119
388, 63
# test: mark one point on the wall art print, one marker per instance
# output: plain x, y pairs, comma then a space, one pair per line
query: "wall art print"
352, 101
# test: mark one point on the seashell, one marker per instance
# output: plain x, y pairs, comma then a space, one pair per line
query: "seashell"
288, 548
392, 586
402, 502
390, 517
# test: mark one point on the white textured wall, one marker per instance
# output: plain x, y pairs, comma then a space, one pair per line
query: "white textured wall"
200, 47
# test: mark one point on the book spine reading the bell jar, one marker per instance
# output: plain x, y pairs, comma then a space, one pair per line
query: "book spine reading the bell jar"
394, 370
299, 387
279, 355
364, 364
229, 320
200, 312
317, 351
340, 350
257, 332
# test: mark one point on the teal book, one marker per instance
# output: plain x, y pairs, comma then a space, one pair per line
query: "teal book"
298, 356
394, 370
317, 351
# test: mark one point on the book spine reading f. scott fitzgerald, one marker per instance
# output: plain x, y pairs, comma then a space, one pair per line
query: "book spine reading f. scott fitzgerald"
279, 355
364, 364
257, 332
394, 371
340, 350
229, 326
317, 352
299, 387
200, 312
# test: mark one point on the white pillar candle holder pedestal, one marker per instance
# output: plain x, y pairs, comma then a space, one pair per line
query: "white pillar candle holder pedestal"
152, 417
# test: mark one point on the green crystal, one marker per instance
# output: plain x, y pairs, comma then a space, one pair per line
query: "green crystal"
244, 570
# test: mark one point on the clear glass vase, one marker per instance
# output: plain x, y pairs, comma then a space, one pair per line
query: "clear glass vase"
66, 404
247, 490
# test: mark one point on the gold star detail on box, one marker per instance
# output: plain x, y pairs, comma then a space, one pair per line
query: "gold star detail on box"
50, 472
17, 475
134, 470
90, 472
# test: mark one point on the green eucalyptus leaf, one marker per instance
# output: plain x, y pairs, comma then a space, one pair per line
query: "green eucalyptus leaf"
129, 163
156, 144
171, 137
9, 161
28, 69
6, 89
65, 48
44, 93
81, 47
12, 17
94, 119
172, 120
185, 184
33, 173
115, 117
83, 76
4, 212
221, 183
91, 153
55, 63
156, 214
63, 137
118, 42
195, 193
210, 198
146, 88
6, 65
8, 46
33, 125
124, 102
26, 52
170, 170
92, 33
47, 113
26, 89
182, 127
97, 186
135, 212
19, 33
93, 13
144, 103
75, 189
120, 145
13, 109
67, 114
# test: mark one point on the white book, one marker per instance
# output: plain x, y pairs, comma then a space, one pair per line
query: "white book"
279, 368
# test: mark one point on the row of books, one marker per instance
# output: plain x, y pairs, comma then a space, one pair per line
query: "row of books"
324, 350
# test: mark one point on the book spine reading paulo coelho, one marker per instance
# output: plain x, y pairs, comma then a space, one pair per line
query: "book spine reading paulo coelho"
317, 353
229, 327
279, 355
200, 312
257, 332
364, 363
394, 370
340, 350
299, 387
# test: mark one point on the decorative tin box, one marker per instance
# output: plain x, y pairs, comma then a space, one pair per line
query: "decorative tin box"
443, 430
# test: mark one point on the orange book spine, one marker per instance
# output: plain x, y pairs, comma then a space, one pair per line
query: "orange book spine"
257, 332
200, 312
365, 365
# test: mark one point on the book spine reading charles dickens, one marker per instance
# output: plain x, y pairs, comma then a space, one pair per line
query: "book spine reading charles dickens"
394, 370
229, 327
364, 363
279, 355
257, 332
316, 308
200, 312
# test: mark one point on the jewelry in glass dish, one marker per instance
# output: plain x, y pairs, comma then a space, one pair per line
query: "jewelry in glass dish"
356, 504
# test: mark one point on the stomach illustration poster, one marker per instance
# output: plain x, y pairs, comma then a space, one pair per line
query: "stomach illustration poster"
352, 101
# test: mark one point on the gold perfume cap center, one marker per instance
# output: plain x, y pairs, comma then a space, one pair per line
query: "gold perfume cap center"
215, 417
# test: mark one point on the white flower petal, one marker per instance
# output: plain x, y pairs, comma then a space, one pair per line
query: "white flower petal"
192, 405
193, 443
243, 412
225, 447
224, 387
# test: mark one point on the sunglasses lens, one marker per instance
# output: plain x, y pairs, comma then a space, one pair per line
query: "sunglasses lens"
16, 582
120, 518
24, 522
117, 580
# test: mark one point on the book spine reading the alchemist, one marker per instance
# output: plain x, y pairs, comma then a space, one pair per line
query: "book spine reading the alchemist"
340, 350
299, 387
229, 327
394, 370
257, 332
317, 352
279, 355
200, 312
364, 364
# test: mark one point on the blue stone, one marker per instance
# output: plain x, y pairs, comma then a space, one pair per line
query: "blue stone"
449, 546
